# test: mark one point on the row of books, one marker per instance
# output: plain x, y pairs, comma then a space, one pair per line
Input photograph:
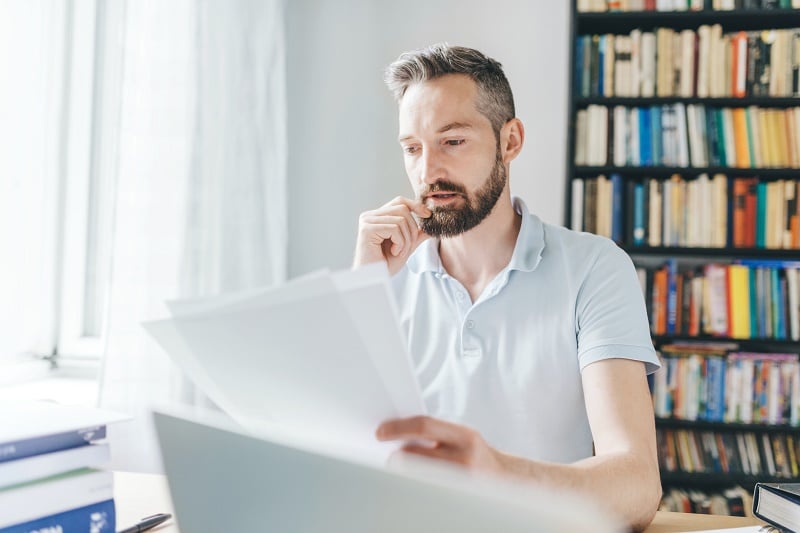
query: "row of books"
687, 63
700, 383
751, 299
49, 479
599, 6
702, 212
741, 452
683, 135
735, 501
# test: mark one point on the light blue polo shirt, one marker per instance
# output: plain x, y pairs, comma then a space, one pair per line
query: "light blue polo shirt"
509, 364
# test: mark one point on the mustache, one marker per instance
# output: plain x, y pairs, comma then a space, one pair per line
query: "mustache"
442, 185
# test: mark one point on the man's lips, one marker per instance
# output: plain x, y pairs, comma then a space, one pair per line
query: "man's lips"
441, 195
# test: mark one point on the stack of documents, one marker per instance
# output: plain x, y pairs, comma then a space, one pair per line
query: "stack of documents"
321, 360
48, 480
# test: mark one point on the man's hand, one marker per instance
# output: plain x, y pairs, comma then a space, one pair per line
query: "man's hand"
390, 233
443, 440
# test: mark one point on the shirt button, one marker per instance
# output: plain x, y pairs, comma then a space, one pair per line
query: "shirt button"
470, 324
460, 295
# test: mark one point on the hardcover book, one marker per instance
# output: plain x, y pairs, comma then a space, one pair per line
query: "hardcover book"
778, 504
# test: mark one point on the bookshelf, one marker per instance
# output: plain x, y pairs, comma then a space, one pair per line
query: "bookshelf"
684, 147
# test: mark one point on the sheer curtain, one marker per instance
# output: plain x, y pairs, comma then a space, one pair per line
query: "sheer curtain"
201, 186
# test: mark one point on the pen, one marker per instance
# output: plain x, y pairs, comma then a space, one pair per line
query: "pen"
147, 523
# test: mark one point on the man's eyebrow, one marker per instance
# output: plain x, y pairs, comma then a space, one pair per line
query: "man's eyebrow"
443, 129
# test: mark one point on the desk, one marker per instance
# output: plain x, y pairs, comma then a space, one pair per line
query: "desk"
140, 495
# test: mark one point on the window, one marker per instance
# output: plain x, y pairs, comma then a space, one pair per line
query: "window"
57, 168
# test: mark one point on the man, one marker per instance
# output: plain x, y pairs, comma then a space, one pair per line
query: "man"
533, 335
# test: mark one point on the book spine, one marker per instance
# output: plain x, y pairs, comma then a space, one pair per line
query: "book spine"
13, 450
97, 518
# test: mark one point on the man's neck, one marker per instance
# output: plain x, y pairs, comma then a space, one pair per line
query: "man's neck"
474, 258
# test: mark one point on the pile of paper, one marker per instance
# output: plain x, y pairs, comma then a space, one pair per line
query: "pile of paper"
320, 360
48, 479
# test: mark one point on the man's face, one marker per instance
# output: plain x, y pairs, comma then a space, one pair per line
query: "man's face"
451, 155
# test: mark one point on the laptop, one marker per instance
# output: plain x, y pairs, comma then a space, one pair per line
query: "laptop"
223, 479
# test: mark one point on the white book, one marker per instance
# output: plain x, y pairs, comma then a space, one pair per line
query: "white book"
757, 159
703, 215
57, 494
687, 39
720, 208
703, 67
682, 135
620, 136
577, 205
667, 237
665, 5
647, 75
654, 214
636, 63
599, 138
581, 137
608, 65
49, 464
622, 67
716, 62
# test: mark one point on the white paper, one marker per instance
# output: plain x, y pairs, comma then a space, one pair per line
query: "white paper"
320, 358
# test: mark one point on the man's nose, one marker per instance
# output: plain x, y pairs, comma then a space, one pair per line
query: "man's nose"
431, 169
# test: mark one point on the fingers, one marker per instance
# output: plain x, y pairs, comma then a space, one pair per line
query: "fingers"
425, 428
393, 222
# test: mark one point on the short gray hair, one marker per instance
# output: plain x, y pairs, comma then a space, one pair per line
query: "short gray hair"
495, 100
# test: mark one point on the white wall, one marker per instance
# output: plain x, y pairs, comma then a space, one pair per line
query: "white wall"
343, 153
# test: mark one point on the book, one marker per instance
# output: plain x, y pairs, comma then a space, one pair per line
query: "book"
778, 504
49, 464
34, 428
97, 518
49, 496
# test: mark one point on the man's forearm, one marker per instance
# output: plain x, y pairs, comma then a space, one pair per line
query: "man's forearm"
627, 485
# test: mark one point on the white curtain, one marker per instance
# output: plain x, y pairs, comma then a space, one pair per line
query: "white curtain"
201, 186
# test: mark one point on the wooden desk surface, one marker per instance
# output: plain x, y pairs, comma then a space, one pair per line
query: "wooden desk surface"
140, 495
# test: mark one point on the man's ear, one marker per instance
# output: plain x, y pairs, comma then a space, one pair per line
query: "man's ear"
512, 137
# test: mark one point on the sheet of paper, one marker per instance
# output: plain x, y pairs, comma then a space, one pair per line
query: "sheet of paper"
297, 359
219, 302
368, 289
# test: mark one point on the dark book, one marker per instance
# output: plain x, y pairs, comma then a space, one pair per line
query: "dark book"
753, 55
594, 66
778, 504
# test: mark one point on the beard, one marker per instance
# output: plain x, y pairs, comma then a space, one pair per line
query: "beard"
447, 221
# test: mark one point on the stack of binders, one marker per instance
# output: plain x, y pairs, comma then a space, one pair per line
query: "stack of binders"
48, 475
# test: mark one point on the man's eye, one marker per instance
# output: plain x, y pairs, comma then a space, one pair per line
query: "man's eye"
410, 149
455, 142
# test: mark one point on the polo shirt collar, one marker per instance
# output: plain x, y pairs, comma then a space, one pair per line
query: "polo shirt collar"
527, 250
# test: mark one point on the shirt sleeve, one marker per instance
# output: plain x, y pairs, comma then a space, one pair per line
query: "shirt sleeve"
610, 314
